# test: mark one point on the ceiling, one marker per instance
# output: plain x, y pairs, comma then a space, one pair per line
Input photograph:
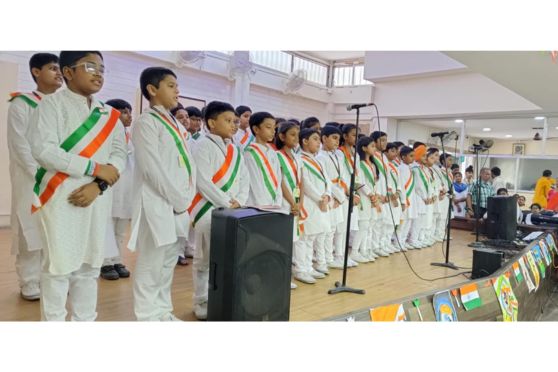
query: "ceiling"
330, 56
518, 128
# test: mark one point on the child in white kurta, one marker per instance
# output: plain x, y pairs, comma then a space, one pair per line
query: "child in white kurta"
263, 164
331, 161
243, 136
446, 181
409, 204
425, 196
26, 239
72, 137
223, 183
394, 193
381, 246
122, 203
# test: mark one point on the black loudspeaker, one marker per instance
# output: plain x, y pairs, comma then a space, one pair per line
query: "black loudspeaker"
501, 222
485, 262
250, 265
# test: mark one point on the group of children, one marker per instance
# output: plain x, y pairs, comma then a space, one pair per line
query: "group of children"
80, 175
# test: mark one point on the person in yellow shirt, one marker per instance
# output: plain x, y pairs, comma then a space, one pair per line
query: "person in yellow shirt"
542, 189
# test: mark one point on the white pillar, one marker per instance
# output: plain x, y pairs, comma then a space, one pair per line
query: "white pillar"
240, 70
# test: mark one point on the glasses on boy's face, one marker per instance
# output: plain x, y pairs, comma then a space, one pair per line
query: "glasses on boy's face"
91, 68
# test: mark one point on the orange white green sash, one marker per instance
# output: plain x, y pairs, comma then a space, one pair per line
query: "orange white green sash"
32, 99
368, 172
349, 160
178, 140
84, 141
268, 174
423, 176
224, 178
247, 139
394, 173
379, 162
314, 168
409, 187
289, 168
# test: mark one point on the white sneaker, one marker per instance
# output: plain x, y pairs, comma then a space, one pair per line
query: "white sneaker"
322, 269
317, 275
31, 291
293, 286
372, 254
200, 311
170, 317
357, 257
305, 278
380, 252
336, 264
403, 248
351, 263
369, 256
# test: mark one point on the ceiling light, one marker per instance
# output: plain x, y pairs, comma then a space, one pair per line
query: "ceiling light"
539, 118
486, 129
509, 136
459, 121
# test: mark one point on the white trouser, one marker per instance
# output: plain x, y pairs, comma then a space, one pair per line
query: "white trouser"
28, 263
190, 246
339, 238
377, 234
318, 246
153, 275
442, 219
120, 233
403, 230
79, 286
360, 242
303, 251
416, 229
373, 241
328, 245
200, 270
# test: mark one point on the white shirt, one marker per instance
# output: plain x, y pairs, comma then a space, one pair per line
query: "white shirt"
22, 174
259, 194
73, 235
162, 183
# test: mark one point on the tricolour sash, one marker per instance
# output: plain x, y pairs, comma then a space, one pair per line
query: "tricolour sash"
269, 176
32, 99
423, 176
409, 187
290, 170
379, 162
223, 179
178, 140
247, 139
84, 141
314, 168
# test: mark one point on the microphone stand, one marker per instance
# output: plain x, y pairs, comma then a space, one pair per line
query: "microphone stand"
342, 286
477, 243
447, 263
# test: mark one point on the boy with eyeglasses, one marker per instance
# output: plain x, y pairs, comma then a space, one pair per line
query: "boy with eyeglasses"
73, 138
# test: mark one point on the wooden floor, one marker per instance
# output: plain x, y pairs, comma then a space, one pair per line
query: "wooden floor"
386, 279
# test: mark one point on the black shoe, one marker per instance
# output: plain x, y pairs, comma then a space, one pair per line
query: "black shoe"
121, 270
109, 273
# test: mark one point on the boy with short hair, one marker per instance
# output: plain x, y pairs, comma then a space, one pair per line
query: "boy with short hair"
262, 163
244, 136
224, 183
73, 138
383, 246
311, 122
195, 116
181, 115
26, 239
165, 186
113, 268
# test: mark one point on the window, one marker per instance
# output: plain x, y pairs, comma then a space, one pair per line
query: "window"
349, 75
275, 59
316, 72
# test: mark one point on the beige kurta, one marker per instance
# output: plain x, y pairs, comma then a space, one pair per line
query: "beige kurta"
72, 235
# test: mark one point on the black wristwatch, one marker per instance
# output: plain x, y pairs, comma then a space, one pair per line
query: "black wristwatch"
103, 185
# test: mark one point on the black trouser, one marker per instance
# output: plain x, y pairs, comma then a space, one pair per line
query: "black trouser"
479, 211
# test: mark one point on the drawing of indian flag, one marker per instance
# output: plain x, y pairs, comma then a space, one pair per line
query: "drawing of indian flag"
470, 296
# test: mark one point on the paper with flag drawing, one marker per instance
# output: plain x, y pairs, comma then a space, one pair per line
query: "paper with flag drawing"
517, 272
551, 242
506, 297
525, 271
443, 307
538, 259
545, 252
533, 266
388, 313
470, 296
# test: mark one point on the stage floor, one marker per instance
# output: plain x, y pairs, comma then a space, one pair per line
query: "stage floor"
387, 279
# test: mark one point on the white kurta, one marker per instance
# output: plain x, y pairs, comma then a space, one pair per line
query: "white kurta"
395, 186
366, 209
122, 192
405, 173
162, 184
317, 222
285, 204
346, 172
22, 174
331, 162
209, 157
72, 235
259, 194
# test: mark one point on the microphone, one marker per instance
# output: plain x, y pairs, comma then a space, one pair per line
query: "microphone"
439, 134
358, 105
